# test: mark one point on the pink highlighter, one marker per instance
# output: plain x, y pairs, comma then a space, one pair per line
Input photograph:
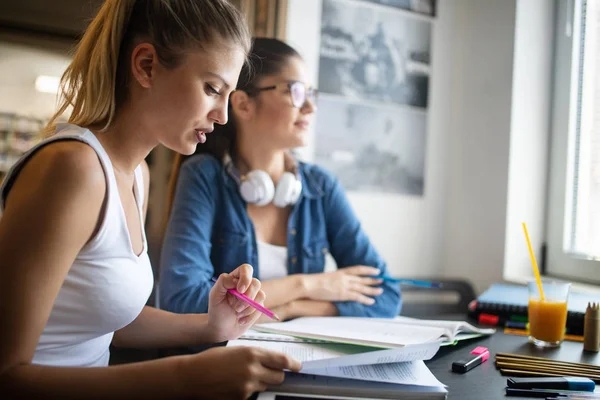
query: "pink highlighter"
252, 303
481, 355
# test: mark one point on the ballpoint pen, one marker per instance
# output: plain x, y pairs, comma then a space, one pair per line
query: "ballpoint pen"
252, 303
413, 282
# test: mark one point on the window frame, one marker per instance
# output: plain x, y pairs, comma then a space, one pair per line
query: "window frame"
567, 64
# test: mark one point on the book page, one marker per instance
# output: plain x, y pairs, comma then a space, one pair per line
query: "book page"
452, 328
367, 332
339, 355
326, 385
304, 352
405, 373
251, 334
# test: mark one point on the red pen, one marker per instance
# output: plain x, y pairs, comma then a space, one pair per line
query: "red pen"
252, 303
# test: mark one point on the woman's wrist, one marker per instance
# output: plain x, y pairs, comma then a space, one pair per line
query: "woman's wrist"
305, 286
201, 332
288, 310
181, 383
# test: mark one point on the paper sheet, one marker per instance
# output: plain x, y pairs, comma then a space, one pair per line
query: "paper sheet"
406, 373
340, 387
352, 330
314, 356
251, 334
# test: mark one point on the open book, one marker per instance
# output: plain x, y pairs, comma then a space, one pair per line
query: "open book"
332, 355
335, 367
402, 366
374, 332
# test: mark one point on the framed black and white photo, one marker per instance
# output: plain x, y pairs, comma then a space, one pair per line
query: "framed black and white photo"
374, 68
426, 7
370, 147
368, 52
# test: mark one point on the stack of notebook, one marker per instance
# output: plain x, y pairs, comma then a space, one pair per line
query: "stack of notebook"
503, 302
361, 357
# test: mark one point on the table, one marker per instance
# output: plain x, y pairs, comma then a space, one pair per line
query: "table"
485, 381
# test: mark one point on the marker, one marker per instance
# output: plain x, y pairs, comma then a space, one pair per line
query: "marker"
566, 383
550, 394
412, 282
481, 355
252, 303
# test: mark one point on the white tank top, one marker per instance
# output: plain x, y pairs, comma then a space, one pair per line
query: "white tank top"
107, 286
272, 261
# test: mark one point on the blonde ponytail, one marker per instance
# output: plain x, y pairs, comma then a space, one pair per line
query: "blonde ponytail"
88, 84
96, 81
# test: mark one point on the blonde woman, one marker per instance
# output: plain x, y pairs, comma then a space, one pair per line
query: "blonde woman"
74, 270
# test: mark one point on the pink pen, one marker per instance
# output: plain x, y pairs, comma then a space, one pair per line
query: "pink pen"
252, 303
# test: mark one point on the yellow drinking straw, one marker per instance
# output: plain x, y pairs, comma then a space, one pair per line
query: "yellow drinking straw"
534, 263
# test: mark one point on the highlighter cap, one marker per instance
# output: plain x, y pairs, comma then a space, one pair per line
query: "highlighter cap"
581, 384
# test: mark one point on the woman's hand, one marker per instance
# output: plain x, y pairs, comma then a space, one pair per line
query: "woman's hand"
233, 372
346, 284
229, 317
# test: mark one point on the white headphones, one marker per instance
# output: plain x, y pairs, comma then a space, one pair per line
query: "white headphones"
256, 187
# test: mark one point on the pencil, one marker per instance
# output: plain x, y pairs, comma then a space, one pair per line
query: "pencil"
521, 365
542, 359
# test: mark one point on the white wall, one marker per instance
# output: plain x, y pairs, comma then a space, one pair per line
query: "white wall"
530, 127
479, 139
459, 227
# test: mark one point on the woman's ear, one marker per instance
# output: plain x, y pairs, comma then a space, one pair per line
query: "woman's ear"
242, 105
143, 64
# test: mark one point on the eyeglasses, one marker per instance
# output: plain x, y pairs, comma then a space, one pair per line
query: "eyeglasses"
299, 92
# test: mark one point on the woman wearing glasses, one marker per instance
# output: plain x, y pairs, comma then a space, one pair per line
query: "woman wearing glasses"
246, 199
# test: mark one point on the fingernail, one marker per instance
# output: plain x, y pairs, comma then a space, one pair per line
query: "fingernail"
242, 289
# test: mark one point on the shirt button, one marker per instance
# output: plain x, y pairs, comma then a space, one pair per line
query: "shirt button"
294, 259
293, 232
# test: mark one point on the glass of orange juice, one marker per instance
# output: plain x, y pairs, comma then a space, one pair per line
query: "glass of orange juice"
548, 317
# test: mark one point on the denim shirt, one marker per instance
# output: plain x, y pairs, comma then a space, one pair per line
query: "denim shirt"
210, 232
